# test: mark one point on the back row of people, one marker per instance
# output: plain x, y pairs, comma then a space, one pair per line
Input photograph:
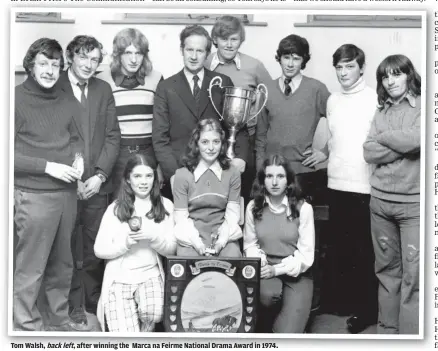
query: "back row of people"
140, 113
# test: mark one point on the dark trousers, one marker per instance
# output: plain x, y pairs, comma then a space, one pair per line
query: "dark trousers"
314, 188
285, 304
353, 283
43, 260
88, 270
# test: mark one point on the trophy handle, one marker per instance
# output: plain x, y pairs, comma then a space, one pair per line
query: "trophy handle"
264, 92
215, 81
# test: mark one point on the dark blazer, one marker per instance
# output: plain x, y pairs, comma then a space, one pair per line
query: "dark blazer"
175, 117
104, 127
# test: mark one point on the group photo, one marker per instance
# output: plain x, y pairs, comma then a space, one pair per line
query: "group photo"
223, 172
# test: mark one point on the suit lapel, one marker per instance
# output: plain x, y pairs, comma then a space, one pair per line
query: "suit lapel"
182, 88
204, 99
92, 100
65, 86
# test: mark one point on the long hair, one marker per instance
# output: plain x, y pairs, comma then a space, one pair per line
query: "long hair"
294, 44
48, 47
397, 64
125, 38
124, 207
191, 157
293, 190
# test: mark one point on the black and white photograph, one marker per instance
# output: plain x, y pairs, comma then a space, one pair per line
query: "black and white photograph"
202, 173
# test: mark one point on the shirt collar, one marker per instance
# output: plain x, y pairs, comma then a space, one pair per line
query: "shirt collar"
216, 61
409, 97
279, 209
73, 80
202, 167
189, 75
296, 81
119, 77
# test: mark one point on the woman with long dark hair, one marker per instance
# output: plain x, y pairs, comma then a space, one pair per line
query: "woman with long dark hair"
206, 192
279, 228
136, 229
393, 146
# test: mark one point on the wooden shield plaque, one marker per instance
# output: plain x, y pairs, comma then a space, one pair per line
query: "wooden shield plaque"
211, 294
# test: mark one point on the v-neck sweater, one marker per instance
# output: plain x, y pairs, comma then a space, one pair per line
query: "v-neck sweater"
288, 123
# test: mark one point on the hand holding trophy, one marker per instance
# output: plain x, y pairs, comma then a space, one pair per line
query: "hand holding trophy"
236, 108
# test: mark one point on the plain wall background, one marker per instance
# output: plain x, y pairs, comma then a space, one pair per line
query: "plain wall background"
261, 42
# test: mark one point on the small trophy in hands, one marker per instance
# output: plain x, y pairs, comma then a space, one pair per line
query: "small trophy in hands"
210, 250
135, 223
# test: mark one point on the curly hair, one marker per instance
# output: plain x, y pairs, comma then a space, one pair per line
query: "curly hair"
191, 158
83, 43
125, 38
48, 47
293, 190
124, 207
294, 44
397, 64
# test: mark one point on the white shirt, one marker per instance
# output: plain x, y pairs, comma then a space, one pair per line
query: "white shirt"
190, 75
215, 61
202, 167
294, 83
74, 84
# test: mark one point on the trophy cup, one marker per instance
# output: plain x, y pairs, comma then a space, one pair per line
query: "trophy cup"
210, 250
236, 109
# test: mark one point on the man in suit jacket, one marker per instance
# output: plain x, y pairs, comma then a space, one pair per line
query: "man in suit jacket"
100, 131
182, 100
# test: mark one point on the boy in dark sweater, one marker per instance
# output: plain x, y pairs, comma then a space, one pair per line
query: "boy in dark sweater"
47, 144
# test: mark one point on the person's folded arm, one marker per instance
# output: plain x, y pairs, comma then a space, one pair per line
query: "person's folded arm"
376, 153
404, 141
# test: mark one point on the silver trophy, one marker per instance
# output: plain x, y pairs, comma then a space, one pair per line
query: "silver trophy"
237, 107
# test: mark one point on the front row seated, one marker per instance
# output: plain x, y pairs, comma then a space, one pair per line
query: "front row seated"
140, 226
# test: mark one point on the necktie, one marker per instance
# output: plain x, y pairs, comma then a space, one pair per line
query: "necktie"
196, 89
83, 97
287, 88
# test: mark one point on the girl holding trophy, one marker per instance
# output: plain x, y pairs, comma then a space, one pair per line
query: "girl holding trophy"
279, 229
135, 230
206, 192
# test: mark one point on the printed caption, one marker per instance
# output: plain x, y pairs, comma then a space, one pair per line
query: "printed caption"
135, 345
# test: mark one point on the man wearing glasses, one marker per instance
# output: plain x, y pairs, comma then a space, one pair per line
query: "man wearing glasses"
98, 127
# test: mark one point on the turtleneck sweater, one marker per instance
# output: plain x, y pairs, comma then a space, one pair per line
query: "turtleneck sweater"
44, 132
349, 115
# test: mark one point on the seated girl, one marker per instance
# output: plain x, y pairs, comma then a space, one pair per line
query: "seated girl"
279, 229
206, 192
135, 230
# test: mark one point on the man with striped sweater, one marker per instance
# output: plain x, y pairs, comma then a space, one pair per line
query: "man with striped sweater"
133, 82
